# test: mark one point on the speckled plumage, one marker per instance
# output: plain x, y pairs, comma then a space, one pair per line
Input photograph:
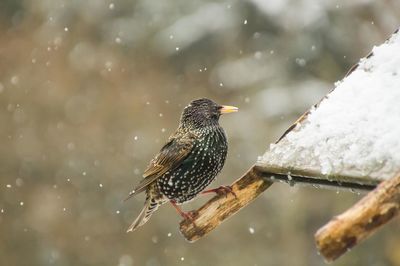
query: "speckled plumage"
199, 169
188, 162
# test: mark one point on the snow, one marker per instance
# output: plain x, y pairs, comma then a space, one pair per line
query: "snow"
126, 260
211, 18
19, 182
14, 80
355, 130
154, 239
292, 14
251, 230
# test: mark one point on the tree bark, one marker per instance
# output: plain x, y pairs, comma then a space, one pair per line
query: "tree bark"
360, 221
221, 207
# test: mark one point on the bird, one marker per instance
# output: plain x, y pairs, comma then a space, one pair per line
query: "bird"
189, 161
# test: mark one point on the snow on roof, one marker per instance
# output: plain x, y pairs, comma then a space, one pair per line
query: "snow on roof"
354, 133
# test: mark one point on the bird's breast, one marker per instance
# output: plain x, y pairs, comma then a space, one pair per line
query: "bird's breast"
198, 170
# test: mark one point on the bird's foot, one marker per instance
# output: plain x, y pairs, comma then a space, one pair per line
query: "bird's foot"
189, 215
221, 191
186, 215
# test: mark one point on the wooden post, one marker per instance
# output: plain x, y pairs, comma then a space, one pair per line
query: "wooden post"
359, 222
219, 208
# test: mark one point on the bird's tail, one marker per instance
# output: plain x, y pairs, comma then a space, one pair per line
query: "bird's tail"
150, 206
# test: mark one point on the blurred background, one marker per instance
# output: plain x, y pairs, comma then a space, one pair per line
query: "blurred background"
90, 90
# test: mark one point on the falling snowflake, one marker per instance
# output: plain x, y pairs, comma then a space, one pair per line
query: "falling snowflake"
251, 230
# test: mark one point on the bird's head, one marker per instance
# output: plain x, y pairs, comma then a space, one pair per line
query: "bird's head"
204, 112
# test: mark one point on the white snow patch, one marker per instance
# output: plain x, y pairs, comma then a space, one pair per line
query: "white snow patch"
355, 131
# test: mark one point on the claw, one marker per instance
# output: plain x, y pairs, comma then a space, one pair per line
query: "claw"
186, 215
221, 191
189, 215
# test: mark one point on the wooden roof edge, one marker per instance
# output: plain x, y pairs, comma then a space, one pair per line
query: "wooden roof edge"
315, 178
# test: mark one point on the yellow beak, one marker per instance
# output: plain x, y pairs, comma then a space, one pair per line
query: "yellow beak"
226, 109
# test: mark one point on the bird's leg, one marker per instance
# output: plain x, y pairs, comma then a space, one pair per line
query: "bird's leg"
186, 215
220, 191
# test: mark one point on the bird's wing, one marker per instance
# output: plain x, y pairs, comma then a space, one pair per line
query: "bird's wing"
171, 156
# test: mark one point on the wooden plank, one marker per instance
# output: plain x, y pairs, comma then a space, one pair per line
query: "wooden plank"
219, 208
356, 224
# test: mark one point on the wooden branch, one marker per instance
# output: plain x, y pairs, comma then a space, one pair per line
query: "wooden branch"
359, 222
219, 208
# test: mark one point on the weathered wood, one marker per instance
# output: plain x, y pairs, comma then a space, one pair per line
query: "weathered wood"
219, 208
359, 222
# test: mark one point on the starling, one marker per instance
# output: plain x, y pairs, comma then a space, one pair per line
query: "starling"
188, 162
